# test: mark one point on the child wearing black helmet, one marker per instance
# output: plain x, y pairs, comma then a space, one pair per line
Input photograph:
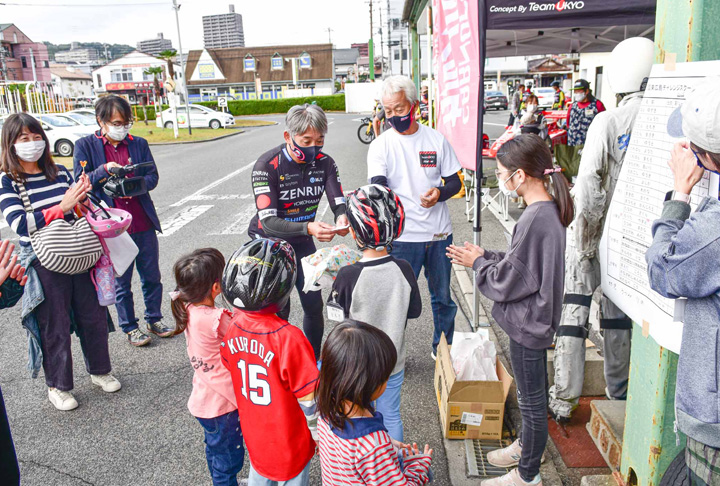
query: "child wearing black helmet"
272, 364
379, 289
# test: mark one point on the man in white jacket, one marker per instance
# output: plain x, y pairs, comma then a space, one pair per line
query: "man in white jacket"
606, 145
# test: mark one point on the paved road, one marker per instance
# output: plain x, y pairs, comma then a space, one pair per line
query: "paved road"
144, 435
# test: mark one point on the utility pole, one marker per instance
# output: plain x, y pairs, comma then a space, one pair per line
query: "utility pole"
371, 50
329, 35
182, 67
382, 54
32, 62
402, 60
389, 42
3, 64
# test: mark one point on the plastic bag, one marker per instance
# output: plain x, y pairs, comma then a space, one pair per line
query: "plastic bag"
474, 356
321, 268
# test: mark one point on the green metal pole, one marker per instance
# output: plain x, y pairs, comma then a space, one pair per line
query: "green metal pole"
689, 30
415, 52
371, 59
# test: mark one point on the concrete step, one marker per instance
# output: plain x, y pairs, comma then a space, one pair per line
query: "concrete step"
606, 427
594, 384
603, 480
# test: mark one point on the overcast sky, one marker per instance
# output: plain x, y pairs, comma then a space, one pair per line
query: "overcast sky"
266, 22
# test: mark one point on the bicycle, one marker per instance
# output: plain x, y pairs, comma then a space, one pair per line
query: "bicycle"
366, 134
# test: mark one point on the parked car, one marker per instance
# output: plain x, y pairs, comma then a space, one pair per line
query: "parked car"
495, 99
200, 117
84, 111
83, 117
62, 132
546, 97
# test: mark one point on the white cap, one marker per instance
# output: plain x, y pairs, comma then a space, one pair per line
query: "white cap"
698, 118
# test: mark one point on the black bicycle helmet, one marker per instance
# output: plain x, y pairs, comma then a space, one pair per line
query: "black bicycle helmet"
260, 276
376, 215
555, 84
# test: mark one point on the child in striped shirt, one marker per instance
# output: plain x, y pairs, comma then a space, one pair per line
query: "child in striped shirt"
355, 447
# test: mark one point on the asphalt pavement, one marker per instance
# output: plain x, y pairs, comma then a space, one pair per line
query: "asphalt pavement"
144, 434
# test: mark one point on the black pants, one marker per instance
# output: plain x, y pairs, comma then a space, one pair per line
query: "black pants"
63, 294
530, 370
9, 470
312, 302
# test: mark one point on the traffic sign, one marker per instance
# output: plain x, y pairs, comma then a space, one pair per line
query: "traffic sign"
222, 101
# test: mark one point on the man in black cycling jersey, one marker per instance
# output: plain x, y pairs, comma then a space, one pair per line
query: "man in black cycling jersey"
288, 183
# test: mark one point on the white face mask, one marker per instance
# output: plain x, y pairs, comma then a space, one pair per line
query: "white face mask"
117, 133
531, 108
30, 151
504, 189
579, 97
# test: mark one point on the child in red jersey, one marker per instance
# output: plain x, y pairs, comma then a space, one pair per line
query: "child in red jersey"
272, 365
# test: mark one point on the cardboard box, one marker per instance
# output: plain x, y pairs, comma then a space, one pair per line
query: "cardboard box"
469, 409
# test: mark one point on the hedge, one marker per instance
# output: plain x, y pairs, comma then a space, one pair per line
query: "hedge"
264, 107
140, 116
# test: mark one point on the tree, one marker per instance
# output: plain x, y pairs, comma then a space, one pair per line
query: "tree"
169, 57
155, 71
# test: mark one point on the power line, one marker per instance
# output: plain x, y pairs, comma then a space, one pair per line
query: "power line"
86, 5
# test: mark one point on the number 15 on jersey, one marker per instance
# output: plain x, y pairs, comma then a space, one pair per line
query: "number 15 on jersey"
252, 380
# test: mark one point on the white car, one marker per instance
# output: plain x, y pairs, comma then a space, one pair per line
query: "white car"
546, 97
62, 132
200, 117
83, 117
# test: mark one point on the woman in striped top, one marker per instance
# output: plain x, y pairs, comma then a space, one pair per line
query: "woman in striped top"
26, 160
355, 447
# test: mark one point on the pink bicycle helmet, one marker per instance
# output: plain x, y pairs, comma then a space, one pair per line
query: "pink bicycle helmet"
108, 222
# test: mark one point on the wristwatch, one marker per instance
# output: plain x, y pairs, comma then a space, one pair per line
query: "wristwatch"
677, 196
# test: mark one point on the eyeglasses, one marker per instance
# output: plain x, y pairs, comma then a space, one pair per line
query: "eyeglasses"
498, 172
700, 164
121, 125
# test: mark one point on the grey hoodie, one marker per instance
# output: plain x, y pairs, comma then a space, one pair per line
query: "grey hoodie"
684, 261
526, 283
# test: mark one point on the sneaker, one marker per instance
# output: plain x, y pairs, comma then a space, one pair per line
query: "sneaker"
511, 479
433, 355
160, 329
107, 382
138, 338
62, 400
509, 456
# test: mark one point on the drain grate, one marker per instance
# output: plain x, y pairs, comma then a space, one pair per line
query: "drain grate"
476, 452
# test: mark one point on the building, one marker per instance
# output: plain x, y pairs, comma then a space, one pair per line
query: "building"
77, 54
362, 47
396, 38
126, 76
155, 46
346, 61
224, 30
71, 82
270, 72
21, 59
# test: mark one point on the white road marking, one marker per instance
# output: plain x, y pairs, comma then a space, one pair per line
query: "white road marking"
182, 218
240, 225
213, 185
322, 213
220, 197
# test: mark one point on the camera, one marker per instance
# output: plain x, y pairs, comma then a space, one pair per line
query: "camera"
120, 185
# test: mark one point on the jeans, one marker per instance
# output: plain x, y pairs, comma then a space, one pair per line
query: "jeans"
148, 267
388, 404
9, 468
223, 448
530, 370
312, 302
431, 255
302, 479
65, 293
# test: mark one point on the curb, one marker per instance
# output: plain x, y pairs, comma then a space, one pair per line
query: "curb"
548, 470
199, 141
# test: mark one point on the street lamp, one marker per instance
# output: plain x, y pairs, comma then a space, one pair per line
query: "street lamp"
176, 7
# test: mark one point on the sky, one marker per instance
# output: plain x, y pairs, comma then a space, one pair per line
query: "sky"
265, 22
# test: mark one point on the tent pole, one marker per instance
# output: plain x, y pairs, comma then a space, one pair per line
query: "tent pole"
479, 174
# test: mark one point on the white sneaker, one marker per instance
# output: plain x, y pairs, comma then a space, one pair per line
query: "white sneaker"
511, 479
62, 400
433, 355
509, 456
107, 382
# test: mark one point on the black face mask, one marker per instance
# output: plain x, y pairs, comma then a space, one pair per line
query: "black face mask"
403, 123
306, 154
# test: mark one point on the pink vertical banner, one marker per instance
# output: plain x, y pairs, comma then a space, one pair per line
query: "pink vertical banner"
457, 70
